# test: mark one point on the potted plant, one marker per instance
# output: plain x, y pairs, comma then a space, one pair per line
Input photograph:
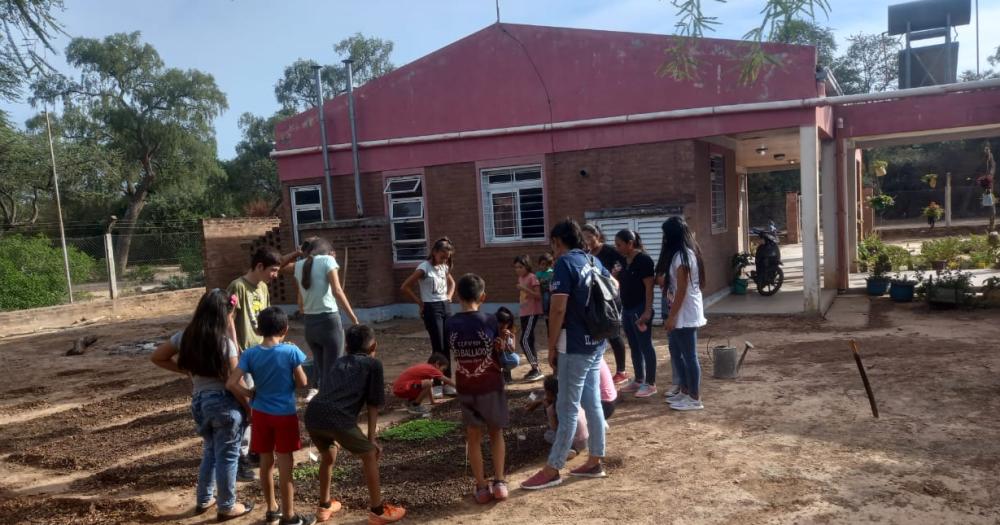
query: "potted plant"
881, 202
902, 287
950, 288
877, 282
986, 183
740, 262
991, 292
879, 167
930, 179
933, 213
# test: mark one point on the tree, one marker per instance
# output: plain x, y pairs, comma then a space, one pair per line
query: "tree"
253, 174
158, 119
28, 29
804, 32
870, 64
692, 24
23, 177
296, 89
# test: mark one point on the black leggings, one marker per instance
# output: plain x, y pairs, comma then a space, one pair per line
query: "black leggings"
618, 346
528, 323
435, 314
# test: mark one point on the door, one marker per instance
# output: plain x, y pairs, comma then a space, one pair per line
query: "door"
650, 230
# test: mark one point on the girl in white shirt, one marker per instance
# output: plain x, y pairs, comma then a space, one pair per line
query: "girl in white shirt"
680, 260
436, 290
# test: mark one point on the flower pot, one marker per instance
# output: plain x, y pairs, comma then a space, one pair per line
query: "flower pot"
939, 265
988, 199
901, 291
877, 286
740, 286
992, 297
944, 296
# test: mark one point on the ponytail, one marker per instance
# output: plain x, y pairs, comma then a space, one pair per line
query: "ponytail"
316, 246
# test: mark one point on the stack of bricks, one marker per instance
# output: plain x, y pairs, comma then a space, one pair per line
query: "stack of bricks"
364, 251
226, 246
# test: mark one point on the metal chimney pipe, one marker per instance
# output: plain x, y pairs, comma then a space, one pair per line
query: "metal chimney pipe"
323, 143
354, 137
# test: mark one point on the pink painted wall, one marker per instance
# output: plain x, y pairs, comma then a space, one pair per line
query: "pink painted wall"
505, 75
935, 112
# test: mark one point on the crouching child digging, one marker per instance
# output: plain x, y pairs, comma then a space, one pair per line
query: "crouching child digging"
331, 419
471, 335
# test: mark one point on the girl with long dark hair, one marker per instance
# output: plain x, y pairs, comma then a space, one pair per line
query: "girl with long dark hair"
635, 281
207, 354
681, 262
437, 287
319, 284
593, 242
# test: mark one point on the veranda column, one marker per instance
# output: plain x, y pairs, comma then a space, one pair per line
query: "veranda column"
828, 211
809, 173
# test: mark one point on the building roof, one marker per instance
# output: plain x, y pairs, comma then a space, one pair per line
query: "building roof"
514, 75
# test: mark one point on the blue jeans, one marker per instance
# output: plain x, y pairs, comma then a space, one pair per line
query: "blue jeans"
219, 420
675, 376
579, 385
641, 343
684, 351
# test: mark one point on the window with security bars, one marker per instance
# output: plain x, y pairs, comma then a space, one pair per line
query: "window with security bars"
717, 175
307, 207
513, 208
406, 216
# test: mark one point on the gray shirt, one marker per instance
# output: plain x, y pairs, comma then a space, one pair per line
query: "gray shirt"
203, 383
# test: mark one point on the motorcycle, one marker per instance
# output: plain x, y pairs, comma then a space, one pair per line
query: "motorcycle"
768, 274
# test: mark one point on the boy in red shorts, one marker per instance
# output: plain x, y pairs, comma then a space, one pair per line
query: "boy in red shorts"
277, 369
415, 383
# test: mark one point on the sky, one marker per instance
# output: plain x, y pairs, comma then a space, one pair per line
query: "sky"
245, 44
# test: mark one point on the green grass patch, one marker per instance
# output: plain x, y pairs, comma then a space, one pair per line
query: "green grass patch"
419, 430
306, 471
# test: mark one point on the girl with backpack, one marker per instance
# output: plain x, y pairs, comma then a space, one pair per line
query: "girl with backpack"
681, 262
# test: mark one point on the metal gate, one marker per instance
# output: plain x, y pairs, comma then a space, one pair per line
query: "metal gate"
650, 230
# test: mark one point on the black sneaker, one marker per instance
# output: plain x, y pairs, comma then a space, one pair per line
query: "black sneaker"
534, 375
272, 517
253, 459
244, 472
299, 519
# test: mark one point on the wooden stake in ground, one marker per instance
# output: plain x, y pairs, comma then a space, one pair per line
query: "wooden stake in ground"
864, 377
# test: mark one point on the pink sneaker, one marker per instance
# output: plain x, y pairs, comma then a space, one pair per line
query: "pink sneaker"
645, 391
541, 480
483, 495
500, 491
631, 386
619, 378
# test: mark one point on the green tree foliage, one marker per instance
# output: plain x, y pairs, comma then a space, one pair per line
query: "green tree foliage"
692, 23
252, 175
32, 272
24, 179
159, 120
296, 89
807, 33
870, 64
28, 29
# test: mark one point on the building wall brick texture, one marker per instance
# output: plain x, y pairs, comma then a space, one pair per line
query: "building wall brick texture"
227, 246
666, 173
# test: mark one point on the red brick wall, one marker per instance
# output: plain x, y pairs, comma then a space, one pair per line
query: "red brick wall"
717, 249
792, 217
364, 251
671, 173
227, 245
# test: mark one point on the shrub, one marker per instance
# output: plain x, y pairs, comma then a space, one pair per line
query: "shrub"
898, 256
881, 202
190, 258
141, 274
32, 272
945, 249
869, 248
183, 282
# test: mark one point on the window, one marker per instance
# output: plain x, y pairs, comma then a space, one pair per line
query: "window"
513, 208
307, 207
717, 175
406, 218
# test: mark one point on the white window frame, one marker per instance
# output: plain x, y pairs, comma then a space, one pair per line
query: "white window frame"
393, 220
292, 191
717, 187
488, 190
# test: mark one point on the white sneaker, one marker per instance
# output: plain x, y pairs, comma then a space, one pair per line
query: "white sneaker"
437, 391
674, 390
690, 404
449, 390
312, 393
679, 398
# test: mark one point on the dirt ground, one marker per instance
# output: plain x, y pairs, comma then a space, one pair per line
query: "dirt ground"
106, 438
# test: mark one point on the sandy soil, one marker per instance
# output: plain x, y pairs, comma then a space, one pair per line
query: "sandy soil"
106, 437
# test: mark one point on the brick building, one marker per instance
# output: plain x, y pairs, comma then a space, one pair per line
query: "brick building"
493, 138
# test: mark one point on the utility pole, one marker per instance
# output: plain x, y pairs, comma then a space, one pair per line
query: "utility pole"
323, 146
62, 230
